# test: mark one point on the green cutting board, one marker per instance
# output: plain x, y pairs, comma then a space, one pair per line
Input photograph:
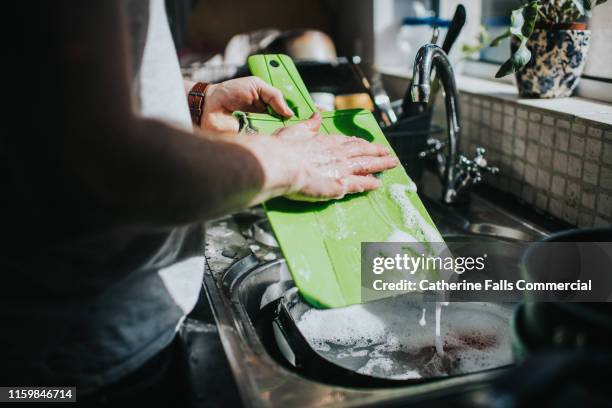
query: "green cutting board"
321, 241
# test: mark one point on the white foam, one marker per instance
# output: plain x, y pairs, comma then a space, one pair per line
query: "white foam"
401, 236
377, 365
385, 338
439, 341
422, 321
411, 216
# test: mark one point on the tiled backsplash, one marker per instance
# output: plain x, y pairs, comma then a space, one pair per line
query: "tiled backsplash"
560, 164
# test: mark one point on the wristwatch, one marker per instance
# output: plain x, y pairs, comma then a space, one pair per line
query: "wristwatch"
195, 99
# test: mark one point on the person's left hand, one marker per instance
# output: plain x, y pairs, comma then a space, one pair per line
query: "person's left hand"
249, 94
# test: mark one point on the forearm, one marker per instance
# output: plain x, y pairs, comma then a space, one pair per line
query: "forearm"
99, 160
161, 176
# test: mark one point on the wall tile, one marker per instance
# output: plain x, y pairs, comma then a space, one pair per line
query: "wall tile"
578, 128
548, 120
508, 125
576, 145
560, 162
547, 136
532, 153
593, 149
534, 117
570, 214
556, 207
558, 186
531, 174
541, 200
562, 140
557, 163
519, 148
588, 200
545, 157
574, 167
520, 128
533, 131
572, 194
604, 205
518, 169
543, 180
607, 153
563, 124
590, 173
605, 180
595, 132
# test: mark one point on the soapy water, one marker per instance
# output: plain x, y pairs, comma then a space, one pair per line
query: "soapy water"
438, 340
411, 216
390, 338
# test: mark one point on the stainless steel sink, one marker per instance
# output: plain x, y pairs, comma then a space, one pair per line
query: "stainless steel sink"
238, 286
263, 375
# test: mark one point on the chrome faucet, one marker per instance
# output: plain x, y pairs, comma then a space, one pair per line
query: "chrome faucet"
456, 171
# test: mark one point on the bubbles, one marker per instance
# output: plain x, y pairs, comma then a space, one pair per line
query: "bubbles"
422, 321
386, 338
439, 341
412, 218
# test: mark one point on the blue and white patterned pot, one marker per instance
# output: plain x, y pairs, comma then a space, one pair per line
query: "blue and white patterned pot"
557, 60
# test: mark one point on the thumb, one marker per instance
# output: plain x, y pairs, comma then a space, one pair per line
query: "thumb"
273, 97
313, 123
304, 128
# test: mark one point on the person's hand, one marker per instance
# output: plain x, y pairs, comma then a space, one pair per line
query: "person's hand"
322, 167
249, 94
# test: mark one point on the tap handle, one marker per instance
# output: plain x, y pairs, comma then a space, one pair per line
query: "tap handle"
434, 146
481, 162
476, 167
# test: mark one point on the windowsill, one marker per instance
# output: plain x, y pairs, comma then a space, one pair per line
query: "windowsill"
577, 107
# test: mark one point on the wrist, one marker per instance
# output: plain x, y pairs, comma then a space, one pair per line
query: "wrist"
280, 170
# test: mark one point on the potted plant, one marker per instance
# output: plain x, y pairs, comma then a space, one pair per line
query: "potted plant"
549, 45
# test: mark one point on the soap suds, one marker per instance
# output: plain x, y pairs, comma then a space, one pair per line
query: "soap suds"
411, 216
439, 341
386, 338
422, 321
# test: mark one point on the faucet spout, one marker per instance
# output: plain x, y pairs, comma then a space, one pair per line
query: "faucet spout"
428, 57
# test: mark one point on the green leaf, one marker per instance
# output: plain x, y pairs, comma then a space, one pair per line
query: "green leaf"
580, 5
500, 38
524, 19
517, 61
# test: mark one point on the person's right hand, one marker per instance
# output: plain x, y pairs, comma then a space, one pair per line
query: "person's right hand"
330, 166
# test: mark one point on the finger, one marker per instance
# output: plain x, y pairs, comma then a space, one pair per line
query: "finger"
309, 128
273, 97
360, 147
368, 164
314, 122
359, 184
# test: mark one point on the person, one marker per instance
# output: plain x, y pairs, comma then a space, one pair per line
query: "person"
109, 197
